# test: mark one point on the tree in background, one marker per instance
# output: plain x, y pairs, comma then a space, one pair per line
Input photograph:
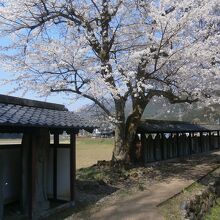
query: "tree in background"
116, 50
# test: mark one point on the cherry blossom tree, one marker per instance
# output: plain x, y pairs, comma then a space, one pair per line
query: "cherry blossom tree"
114, 51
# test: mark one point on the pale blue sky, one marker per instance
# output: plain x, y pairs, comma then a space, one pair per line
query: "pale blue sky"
55, 98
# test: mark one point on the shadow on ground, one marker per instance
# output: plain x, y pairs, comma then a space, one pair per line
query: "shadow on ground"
87, 194
98, 182
178, 168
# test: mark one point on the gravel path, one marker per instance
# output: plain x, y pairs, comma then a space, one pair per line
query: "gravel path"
142, 205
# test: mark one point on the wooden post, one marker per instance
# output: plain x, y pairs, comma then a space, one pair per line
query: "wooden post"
172, 145
26, 175
1, 188
193, 141
144, 149
168, 147
39, 145
190, 143
154, 149
72, 166
21, 167
177, 144
56, 144
32, 176
210, 140
162, 147
200, 142
218, 139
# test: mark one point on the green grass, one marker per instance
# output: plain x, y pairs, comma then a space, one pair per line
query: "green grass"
214, 212
90, 150
106, 174
89, 174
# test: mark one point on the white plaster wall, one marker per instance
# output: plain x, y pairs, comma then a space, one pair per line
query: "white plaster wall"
63, 174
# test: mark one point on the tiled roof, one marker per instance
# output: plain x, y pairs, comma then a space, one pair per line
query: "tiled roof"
33, 116
156, 126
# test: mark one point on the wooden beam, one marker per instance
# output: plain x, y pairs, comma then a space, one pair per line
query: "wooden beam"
17, 129
10, 146
60, 146
31, 129
55, 146
72, 166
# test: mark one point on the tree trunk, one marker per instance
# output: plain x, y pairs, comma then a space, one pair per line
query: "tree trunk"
120, 148
125, 133
124, 143
119, 152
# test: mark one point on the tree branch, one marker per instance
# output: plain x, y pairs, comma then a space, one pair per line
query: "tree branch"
173, 99
86, 96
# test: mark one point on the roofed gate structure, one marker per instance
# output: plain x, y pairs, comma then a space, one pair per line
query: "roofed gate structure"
38, 175
159, 140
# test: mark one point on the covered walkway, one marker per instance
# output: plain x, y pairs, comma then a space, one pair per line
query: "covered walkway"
162, 140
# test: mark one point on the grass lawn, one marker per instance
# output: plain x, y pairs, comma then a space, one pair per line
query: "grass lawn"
90, 150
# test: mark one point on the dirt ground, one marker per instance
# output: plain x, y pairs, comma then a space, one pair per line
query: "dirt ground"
135, 193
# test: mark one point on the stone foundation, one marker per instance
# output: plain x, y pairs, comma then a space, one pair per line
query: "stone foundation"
200, 204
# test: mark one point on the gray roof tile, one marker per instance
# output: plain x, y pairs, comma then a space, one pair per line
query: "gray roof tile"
157, 126
29, 116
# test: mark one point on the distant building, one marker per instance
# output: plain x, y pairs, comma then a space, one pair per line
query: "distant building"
105, 130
